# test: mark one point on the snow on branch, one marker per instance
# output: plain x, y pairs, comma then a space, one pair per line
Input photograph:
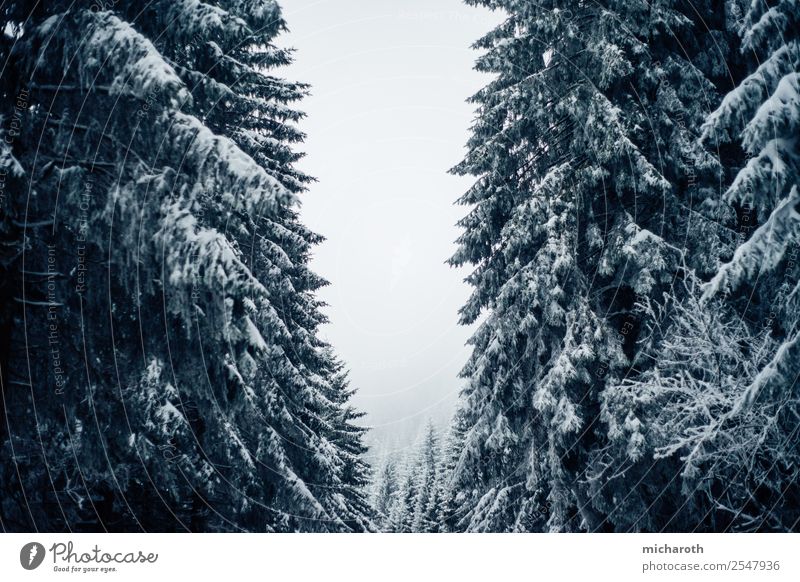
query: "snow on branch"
110, 51
761, 252
259, 13
782, 369
725, 123
246, 185
196, 19
763, 179
771, 26
778, 115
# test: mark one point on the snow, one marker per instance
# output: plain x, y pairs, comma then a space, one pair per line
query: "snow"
762, 251
782, 368
168, 413
739, 105
254, 336
247, 186
112, 47
764, 176
780, 114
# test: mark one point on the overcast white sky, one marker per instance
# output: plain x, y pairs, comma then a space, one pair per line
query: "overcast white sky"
386, 120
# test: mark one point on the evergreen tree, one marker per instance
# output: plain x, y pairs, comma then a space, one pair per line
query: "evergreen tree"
164, 319
762, 115
386, 494
348, 437
722, 398
447, 513
427, 500
590, 184
402, 516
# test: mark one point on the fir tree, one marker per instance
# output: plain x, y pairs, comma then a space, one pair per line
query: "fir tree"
590, 184
762, 115
447, 512
427, 500
721, 401
402, 517
386, 494
164, 318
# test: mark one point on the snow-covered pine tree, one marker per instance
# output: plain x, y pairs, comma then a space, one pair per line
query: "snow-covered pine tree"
722, 396
402, 516
387, 488
341, 428
762, 115
589, 186
426, 504
164, 318
447, 513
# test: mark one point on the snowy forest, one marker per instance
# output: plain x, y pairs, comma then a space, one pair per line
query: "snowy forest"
632, 238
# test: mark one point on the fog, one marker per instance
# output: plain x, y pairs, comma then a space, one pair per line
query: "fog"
386, 119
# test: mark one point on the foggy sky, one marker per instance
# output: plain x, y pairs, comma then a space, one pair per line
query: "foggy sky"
386, 119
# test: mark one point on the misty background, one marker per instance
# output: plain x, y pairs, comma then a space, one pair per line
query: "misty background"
387, 118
